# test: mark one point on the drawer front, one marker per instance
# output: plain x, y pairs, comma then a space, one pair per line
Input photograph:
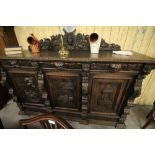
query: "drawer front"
19, 64
116, 66
59, 64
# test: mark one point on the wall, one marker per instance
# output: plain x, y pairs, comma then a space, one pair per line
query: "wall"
140, 39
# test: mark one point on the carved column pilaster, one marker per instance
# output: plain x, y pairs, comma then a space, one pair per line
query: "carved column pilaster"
85, 76
42, 89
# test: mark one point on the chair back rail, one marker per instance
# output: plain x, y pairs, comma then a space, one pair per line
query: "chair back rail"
47, 121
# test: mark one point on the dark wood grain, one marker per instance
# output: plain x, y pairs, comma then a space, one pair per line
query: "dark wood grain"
79, 56
81, 87
64, 90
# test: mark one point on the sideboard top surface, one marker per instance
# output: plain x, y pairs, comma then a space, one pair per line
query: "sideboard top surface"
80, 56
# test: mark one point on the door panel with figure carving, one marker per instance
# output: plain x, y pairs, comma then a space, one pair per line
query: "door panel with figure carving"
108, 92
25, 84
64, 90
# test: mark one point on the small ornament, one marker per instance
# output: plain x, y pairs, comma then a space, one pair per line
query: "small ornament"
63, 52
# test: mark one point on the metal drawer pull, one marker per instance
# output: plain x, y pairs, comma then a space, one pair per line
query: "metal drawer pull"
58, 64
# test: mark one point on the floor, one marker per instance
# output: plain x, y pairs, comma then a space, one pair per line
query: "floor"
136, 118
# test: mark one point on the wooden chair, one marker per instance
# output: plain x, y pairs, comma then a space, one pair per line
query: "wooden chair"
47, 121
150, 117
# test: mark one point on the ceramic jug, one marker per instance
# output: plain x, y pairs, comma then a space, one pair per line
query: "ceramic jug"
95, 42
34, 44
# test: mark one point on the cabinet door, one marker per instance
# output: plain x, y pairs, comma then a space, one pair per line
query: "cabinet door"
64, 90
108, 91
25, 84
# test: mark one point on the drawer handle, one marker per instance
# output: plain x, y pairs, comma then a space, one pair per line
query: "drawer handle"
58, 64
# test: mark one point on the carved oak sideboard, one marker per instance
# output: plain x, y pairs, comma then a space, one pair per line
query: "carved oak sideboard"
83, 87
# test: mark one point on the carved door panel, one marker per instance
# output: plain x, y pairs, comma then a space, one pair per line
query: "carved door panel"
25, 84
64, 89
108, 91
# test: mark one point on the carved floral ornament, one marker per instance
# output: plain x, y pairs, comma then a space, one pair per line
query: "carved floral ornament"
73, 41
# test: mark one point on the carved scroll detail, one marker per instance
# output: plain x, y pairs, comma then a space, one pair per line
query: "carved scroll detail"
147, 68
138, 83
30, 88
72, 41
114, 67
44, 94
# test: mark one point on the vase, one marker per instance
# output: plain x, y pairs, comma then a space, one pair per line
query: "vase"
95, 42
34, 44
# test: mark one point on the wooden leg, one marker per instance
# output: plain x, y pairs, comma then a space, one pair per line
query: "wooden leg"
1, 125
120, 126
150, 113
150, 119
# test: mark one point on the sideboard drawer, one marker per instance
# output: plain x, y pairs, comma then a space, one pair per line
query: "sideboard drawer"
60, 64
19, 64
116, 66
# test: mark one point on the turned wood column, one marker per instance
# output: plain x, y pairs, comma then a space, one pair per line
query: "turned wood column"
85, 81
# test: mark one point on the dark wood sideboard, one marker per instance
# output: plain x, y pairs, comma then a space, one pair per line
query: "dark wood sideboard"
85, 87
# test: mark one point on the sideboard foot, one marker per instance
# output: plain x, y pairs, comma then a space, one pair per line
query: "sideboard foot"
84, 121
22, 112
120, 126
